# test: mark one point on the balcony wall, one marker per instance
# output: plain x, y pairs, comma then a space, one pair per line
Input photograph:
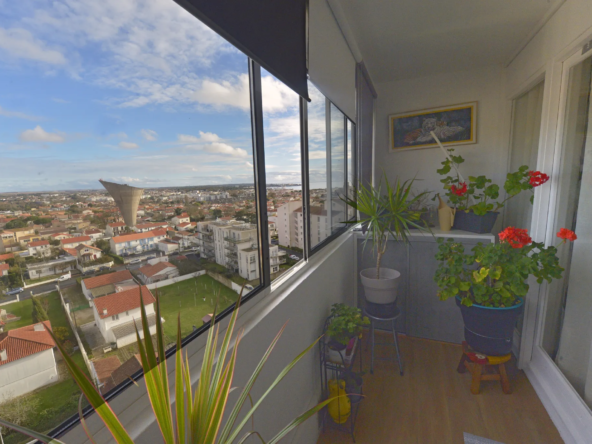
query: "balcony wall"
304, 300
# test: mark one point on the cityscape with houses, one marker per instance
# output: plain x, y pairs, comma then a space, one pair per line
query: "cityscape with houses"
78, 262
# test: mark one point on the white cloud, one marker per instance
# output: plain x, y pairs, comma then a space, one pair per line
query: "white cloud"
312, 155
203, 138
149, 135
277, 97
20, 43
38, 134
128, 145
223, 148
17, 114
209, 137
223, 93
249, 164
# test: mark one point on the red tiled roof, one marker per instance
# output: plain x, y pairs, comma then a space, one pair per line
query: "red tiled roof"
106, 279
92, 231
116, 303
71, 251
4, 267
25, 341
151, 270
72, 240
6, 256
138, 236
38, 243
105, 367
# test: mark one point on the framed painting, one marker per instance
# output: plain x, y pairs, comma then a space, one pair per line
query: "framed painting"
453, 125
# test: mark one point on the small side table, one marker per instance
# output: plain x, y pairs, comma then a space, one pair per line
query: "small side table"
484, 368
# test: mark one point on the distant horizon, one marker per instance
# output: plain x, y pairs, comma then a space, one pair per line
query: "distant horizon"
271, 185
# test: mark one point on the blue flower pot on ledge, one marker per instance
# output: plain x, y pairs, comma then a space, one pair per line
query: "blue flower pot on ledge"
490, 330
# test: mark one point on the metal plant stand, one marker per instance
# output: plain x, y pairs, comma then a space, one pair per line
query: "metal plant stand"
336, 370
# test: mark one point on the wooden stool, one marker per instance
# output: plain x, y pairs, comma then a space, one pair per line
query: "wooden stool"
483, 368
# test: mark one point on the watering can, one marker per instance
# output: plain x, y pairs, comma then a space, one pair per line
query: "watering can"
445, 215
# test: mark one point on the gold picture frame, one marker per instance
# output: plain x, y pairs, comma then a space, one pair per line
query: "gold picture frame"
453, 125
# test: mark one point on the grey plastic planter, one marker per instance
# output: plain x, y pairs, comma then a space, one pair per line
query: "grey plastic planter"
383, 290
474, 223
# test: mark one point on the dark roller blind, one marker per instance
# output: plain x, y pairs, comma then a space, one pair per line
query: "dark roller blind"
271, 32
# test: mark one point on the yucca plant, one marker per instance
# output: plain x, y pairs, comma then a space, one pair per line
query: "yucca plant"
391, 212
198, 415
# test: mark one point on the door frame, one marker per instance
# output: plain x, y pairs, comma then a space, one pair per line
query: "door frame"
569, 412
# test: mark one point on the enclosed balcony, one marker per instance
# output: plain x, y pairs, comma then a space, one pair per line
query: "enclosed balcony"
466, 122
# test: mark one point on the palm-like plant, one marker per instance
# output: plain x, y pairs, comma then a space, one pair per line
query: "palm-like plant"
389, 213
197, 416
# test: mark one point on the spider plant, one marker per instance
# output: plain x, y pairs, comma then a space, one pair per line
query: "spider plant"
197, 415
381, 214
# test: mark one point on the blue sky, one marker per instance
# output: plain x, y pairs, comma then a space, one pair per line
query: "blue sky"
138, 92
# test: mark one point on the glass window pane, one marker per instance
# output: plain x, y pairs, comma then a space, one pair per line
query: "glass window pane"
317, 166
350, 168
136, 93
337, 209
568, 332
281, 121
526, 128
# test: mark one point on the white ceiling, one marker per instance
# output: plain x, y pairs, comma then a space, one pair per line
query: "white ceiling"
409, 38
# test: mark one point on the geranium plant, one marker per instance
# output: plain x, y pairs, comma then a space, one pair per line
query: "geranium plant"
346, 322
495, 275
480, 194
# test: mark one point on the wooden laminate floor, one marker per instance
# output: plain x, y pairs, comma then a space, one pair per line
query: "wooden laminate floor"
432, 403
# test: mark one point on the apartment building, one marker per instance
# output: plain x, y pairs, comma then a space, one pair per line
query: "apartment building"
234, 245
290, 228
115, 229
39, 248
128, 244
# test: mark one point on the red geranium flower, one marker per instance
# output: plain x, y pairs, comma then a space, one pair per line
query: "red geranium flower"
460, 190
537, 178
516, 237
566, 234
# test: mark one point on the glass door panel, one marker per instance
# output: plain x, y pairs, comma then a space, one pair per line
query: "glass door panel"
567, 335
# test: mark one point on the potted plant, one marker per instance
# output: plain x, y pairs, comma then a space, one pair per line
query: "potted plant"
345, 324
490, 284
353, 385
382, 215
476, 201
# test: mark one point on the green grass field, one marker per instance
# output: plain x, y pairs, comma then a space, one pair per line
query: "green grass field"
187, 297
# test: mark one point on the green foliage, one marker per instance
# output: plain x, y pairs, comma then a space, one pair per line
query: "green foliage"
103, 245
15, 278
495, 275
389, 213
62, 334
216, 213
38, 314
17, 223
481, 196
346, 322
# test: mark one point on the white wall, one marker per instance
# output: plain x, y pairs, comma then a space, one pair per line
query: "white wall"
488, 156
332, 67
27, 374
568, 24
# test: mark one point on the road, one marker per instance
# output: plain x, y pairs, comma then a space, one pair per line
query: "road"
291, 252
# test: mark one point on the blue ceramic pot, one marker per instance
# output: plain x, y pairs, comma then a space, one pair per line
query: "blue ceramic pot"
490, 330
